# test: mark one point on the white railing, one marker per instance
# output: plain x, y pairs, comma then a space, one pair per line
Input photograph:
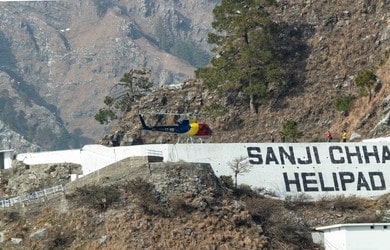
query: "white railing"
31, 196
151, 152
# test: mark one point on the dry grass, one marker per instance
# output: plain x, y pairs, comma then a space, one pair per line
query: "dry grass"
249, 221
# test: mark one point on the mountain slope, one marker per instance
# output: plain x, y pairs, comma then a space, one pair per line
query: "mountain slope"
61, 58
324, 46
68, 55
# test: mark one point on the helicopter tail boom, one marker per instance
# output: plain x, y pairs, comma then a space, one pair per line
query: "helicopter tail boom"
144, 126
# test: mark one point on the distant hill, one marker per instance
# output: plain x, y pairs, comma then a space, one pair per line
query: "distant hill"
59, 59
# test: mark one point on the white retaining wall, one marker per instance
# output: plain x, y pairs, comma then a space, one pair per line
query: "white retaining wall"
316, 169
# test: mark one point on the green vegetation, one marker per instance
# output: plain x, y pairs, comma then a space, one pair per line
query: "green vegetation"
136, 80
365, 81
215, 110
97, 197
145, 195
344, 103
132, 84
105, 116
386, 57
290, 131
227, 181
245, 60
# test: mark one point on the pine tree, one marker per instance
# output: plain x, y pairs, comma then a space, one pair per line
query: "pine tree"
245, 59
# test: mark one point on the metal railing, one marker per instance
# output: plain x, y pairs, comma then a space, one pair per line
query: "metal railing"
31, 196
152, 152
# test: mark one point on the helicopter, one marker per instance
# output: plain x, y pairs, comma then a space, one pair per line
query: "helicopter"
188, 127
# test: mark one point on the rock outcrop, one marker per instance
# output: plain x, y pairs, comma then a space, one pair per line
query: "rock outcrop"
22, 179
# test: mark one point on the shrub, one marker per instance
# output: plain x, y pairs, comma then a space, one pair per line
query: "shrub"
343, 203
365, 81
97, 197
131, 86
290, 131
324, 202
215, 110
60, 239
343, 103
386, 57
179, 206
244, 190
10, 216
261, 209
366, 217
105, 116
146, 196
292, 202
227, 181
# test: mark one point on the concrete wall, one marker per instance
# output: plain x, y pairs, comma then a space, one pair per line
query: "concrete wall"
362, 236
7, 158
317, 169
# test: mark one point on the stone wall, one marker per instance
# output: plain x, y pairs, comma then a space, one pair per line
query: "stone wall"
168, 178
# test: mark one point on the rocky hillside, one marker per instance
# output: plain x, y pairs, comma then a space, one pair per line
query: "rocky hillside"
325, 45
61, 59
138, 204
330, 42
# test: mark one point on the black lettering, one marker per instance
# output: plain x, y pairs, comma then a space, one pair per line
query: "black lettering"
361, 182
322, 183
316, 156
332, 156
306, 182
373, 153
308, 160
288, 155
254, 155
374, 185
351, 154
295, 181
271, 156
346, 177
385, 154
336, 183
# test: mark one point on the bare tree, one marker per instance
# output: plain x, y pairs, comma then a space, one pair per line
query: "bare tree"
239, 165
